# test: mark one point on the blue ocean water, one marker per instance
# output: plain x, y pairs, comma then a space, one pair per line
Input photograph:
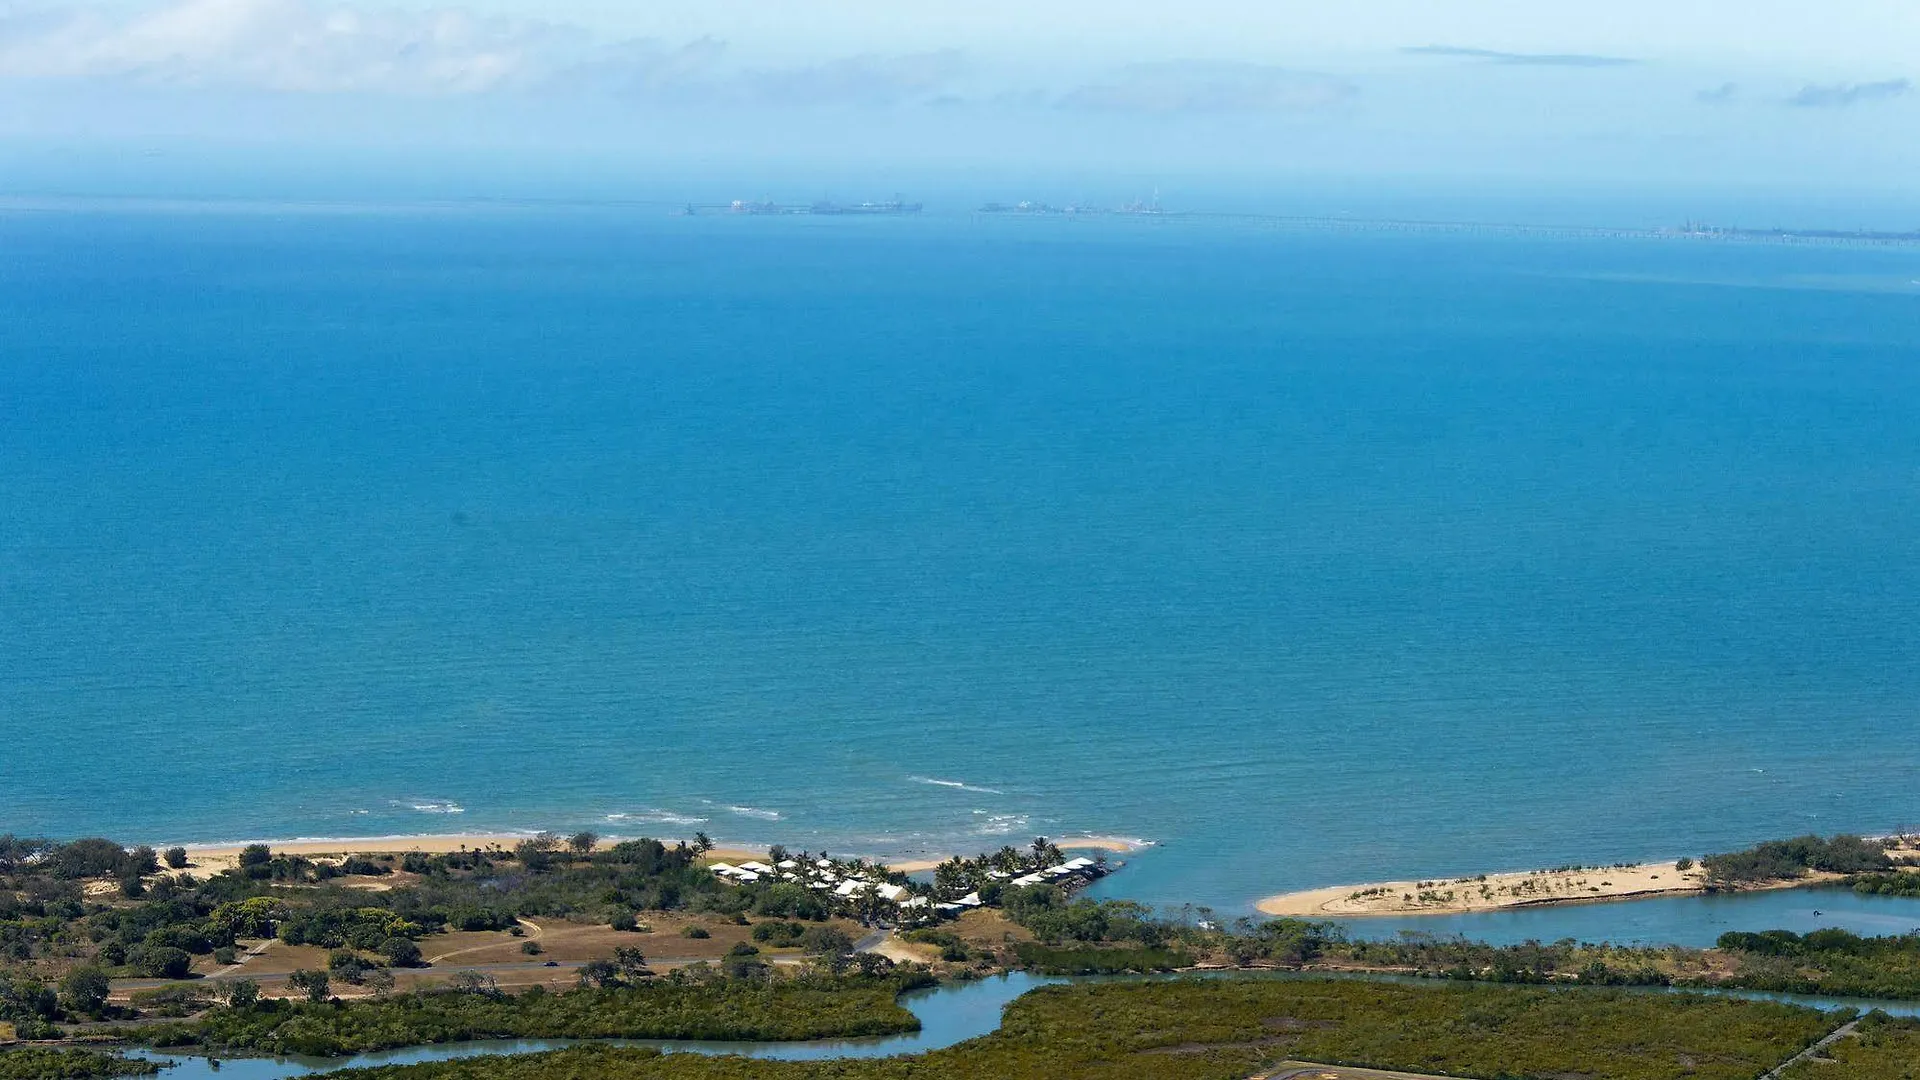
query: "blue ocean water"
1313, 558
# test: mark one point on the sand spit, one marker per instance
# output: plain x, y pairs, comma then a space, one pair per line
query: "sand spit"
1496, 892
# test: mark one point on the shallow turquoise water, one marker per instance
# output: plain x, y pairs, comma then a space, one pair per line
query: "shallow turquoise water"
1313, 559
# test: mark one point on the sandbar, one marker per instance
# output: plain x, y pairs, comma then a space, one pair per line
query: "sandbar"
1533, 888
1490, 892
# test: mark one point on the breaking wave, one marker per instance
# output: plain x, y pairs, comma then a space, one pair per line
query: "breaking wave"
429, 806
1001, 824
656, 817
956, 785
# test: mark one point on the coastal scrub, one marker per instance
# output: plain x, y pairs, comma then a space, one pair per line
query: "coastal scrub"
1228, 1029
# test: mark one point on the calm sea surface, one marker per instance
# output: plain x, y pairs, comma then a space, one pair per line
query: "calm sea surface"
1311, 558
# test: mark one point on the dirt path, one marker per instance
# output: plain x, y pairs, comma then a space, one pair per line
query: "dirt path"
253, 953
533, 934
1813, 1051
881, 943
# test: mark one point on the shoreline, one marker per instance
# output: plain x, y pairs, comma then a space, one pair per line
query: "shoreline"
1488, 892
1515, 890
226, 854
1537, 888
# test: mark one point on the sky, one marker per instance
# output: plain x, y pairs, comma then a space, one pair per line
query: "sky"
1818, 95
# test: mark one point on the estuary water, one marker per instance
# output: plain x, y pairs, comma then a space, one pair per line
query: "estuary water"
948, 1014
1311, 558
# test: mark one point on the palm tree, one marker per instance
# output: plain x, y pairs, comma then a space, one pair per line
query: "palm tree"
702, 843
950, 877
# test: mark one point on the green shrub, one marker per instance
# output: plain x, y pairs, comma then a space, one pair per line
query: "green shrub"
36, 1063
660, 1009
159, 962
1048, 960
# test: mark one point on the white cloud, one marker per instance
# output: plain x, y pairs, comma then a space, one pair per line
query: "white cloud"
325, 46
859, 80
1842, 95
1519, 59
285, 45
1201, 87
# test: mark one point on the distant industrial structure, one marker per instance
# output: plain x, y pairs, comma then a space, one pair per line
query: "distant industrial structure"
824, 208
1152, 208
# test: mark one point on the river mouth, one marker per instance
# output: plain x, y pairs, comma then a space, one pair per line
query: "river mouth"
949, 1014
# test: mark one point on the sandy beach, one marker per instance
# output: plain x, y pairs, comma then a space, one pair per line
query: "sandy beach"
1118, 844
1114, 844
214, 858
1491, 892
